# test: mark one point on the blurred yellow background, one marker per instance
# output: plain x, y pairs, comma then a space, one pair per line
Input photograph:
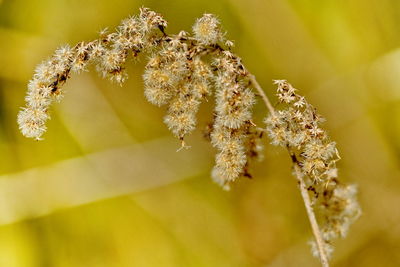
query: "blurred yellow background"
106, 187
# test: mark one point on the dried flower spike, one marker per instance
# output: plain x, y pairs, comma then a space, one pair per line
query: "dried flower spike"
183, 71
298, 128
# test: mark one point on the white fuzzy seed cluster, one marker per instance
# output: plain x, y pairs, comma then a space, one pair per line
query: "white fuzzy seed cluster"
108, 53
207, 30
176, 76
339, 209
298, 127
234, 100
43, 89
182, 73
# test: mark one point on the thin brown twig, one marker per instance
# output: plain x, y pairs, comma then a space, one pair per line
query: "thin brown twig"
261, 92
299, 176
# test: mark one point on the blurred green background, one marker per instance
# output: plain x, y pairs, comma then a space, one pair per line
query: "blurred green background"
106, 187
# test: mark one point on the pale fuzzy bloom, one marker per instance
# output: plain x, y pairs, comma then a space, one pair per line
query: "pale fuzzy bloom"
111, 60
80, 59
233, 105
236, 148
45, 72
339, 209
32, 122
151, 20
221, 136
170, 78
286, 92
98, 51
201, 88
229, 163
43, 89
318, 149
111, 64
162, 75
131, 25
180, 124
300, 102
207, 30
39, 94
298, 127
202, 77
234, 101
158, 86
181, 114
64, 54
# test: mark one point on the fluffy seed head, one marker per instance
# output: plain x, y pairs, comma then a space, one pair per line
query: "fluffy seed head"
31, 122
207, 30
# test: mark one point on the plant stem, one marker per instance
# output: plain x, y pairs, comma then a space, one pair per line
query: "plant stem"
262, 94
299, 176
310, 211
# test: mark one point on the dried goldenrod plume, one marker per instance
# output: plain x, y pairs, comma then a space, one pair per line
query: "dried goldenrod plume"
183, 71
108, 53
298, 128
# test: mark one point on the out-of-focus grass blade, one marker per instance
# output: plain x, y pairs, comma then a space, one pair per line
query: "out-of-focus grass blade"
90, 118
97, 176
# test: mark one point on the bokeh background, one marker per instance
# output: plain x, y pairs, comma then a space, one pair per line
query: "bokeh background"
107, 188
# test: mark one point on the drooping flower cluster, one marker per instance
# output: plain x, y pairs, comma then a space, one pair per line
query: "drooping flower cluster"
108, 53
298, 127
234, 100
177, 76
180, 76
181, 72
338, 208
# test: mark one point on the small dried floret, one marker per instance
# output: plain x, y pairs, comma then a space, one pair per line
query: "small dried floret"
233, 106
229, 164
32, 122
158, 86
151, 20
207, 30
181, 114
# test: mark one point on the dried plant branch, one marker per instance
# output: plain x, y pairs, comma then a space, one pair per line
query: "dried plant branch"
310, 211
302, 186
183, 71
